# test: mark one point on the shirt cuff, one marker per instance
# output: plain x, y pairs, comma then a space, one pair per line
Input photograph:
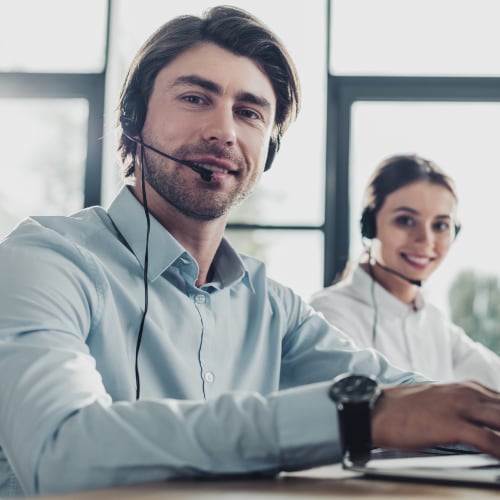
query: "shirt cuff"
307, 426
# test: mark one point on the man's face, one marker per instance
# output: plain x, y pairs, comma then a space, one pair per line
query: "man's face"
217, 109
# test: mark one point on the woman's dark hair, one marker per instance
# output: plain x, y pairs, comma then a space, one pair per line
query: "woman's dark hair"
230, 28
400, 170
390, 175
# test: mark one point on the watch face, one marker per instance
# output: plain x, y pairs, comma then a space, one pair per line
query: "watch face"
353, 389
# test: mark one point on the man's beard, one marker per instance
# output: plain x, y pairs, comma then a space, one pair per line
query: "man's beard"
173, 187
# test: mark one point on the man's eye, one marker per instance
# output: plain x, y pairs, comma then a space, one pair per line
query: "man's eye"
193, 99
248, 113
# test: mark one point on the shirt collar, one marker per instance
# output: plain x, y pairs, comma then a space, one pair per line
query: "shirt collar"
228, 266
127, 215
363, 282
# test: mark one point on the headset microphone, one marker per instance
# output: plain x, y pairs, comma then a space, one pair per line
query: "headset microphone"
204, 173
398, 274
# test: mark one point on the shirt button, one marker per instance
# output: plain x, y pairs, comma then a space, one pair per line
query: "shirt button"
209, 377
199, 299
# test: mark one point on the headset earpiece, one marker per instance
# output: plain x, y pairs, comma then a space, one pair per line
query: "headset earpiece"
274, 145
128, 125
132, 114
368, 224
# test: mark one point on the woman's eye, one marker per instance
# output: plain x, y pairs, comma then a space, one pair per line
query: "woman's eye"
404, 220
441, 226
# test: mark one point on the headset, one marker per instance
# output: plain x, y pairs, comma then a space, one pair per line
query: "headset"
369, 226
133, 116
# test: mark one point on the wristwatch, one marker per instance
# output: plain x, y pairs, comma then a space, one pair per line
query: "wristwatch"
354, 396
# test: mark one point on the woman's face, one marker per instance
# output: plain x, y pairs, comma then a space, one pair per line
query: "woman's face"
415, 228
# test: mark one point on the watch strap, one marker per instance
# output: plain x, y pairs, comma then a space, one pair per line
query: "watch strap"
355, 431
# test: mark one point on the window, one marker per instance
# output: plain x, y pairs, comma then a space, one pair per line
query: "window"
415, 37
51, 100
428, 83
53, 36
43, 157
378, 77
461, 137
65, 57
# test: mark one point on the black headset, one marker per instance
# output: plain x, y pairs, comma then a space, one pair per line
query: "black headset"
369, 225
133, 116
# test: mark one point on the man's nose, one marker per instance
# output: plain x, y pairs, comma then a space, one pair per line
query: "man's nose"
221, 126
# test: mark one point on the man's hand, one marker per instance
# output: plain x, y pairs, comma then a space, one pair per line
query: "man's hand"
425, 415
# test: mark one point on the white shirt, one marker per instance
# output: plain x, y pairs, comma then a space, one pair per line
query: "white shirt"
416, 337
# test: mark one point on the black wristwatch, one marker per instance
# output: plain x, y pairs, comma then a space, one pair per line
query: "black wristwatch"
354, 396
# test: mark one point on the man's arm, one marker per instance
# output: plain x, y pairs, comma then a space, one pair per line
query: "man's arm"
61, 428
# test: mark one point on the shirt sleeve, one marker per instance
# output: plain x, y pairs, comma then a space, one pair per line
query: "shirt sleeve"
346, 313
472, 360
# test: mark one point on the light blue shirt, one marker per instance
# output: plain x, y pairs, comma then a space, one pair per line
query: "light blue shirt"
234, 374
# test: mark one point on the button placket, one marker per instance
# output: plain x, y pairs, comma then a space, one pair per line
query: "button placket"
200, 298
201, 302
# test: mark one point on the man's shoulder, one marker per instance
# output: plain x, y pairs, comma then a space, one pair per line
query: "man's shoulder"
85, 219
55, 230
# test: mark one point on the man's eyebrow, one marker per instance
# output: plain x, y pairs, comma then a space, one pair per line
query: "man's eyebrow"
199, 82
213, 87
254, 99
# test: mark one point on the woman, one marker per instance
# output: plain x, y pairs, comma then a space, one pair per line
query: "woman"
408, 224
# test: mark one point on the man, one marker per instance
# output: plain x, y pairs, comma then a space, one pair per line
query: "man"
136, 345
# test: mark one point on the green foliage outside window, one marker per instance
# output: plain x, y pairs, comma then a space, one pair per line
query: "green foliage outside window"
475, 306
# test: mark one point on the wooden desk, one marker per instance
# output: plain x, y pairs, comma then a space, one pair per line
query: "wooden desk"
323, 482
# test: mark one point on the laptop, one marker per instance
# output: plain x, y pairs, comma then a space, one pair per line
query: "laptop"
442, 465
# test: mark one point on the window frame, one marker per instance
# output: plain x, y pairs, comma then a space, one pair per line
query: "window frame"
89, 86
343, 92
